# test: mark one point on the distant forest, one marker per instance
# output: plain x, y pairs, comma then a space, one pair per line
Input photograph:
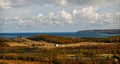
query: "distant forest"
64, 40
108, 31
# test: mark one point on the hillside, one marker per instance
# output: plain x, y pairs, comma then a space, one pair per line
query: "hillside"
55, 39
68, 40
108, 31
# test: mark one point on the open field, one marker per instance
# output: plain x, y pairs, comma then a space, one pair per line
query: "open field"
89, 51
80, 53
52, 45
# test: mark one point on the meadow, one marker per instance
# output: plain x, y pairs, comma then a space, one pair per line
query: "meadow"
70, 50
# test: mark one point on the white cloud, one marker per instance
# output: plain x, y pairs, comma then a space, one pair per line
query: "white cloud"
67, 3
86, 17
65, 16
87, 14
21, 22
111, 18
59, 18
11, 18
63, 2
5, 4
75, 11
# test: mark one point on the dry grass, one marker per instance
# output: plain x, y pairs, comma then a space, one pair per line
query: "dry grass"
52, 45
19, 62
84, 43
16, 44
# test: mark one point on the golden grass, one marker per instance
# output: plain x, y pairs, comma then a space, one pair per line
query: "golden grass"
19, 62
52, 45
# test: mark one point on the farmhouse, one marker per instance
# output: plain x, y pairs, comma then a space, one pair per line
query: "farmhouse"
56, 45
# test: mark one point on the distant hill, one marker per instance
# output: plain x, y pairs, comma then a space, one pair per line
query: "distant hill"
108, 31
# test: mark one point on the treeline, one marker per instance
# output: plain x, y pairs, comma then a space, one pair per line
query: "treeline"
5, 40
56, 39
112, 39
67, 40
62, 39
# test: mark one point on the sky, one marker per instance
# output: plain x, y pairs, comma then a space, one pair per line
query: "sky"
58, 15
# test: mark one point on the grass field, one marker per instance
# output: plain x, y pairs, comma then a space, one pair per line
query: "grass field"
25, 51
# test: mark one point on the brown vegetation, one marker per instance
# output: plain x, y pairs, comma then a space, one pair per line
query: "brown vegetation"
68, 40
74, 51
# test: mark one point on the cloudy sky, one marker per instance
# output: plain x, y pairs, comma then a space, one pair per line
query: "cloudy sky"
58, 15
